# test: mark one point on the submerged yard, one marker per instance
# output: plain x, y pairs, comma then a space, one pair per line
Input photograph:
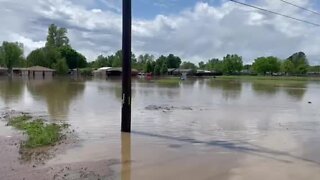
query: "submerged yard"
39, 134
207, 128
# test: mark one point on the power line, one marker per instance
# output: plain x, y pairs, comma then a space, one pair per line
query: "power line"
306, 9
279, 14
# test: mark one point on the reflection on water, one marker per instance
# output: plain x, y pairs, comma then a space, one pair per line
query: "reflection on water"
264, 89
125, 156
296, 90
11, 90
58, 94
114, 88
231, 89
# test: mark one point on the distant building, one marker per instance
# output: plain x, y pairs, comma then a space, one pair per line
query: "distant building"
207, 73
38, 71
112, 71
34, 71
313, 74
179, 72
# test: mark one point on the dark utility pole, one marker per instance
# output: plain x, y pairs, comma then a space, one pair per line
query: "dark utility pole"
126, 66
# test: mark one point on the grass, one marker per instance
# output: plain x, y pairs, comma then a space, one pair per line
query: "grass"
275, 78
39, 133
282, 81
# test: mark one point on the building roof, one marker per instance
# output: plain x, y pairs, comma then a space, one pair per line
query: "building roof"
171, 69
103, 68
183, 70
39, 68
17, 68
120, 69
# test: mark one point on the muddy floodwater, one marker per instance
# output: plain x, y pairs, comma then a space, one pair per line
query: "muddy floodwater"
197, 129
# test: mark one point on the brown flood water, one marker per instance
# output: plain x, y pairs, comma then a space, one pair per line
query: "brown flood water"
198, 129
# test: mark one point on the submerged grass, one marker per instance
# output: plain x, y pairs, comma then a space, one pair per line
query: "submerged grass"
39, 133
282, 81
272, 78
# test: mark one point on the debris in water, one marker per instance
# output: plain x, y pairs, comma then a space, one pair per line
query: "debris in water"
166, 108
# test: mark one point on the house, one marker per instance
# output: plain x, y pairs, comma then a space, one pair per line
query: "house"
171, 70
112, 71
34, 71
179, 72
101, 72
38, 71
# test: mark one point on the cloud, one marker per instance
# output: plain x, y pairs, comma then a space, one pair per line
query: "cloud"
197, 33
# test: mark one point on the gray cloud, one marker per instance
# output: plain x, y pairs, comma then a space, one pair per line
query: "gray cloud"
195, 34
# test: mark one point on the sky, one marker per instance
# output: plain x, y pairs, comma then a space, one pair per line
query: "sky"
194, 30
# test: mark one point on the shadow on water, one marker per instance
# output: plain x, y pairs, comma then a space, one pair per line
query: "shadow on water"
11, 90
58, 93
237, 146
125, 156
230, 89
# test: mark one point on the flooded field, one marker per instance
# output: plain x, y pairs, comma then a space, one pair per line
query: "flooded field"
195, 129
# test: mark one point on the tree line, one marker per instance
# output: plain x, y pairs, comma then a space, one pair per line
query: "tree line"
58, 54
297, 64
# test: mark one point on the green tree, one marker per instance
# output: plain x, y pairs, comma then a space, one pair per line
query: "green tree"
247, 67
287, 67
300, 63
314, 69
61, 37
57, 43
101, 61
11, 53
116, 59
149, 66
214, 65
142, 61
73, 58
173, 61
46, 57
202, 65
302, 69
157, 69
52, 56
232, 64
1, 57
164, 69
51, 37
61, 67
161, 66
37, 58
22, 62
57, 37
188, 65
264, 65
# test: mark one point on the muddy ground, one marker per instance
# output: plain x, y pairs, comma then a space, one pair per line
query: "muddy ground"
20, 164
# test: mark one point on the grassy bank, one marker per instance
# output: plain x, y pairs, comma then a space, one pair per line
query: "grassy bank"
281, 81
275, 78
39, 134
